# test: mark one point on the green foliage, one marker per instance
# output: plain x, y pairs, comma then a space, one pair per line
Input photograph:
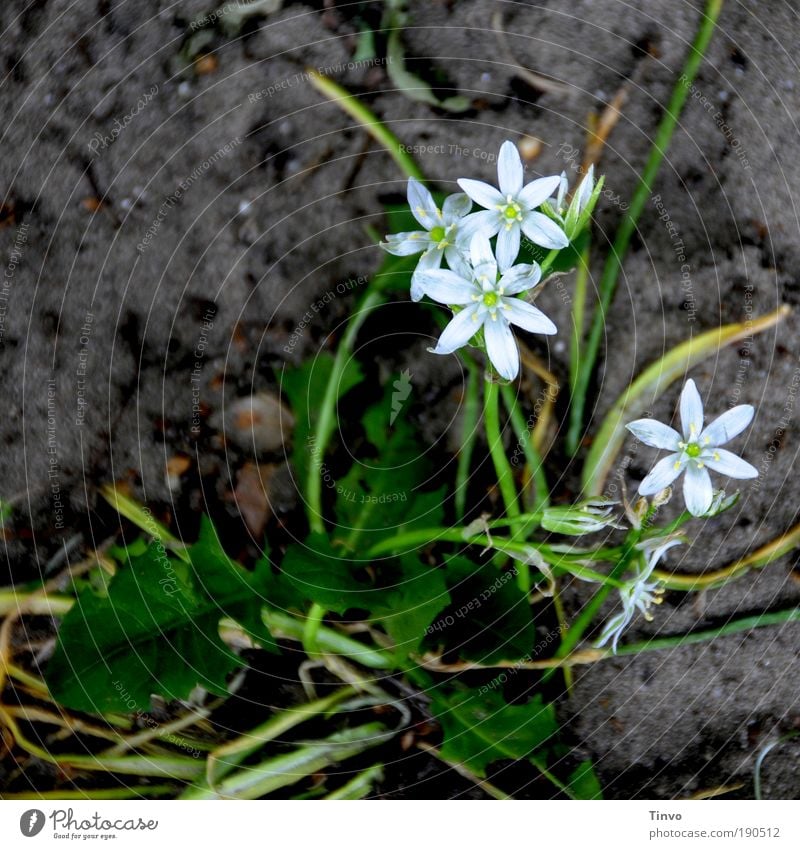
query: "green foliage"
304, 386
404, 603
314, 572
381, 495
155, 630
480, 727
583, 782
407, 610
489, 619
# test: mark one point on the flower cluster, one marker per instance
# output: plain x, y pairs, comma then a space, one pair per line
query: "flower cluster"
474, 261
482, 283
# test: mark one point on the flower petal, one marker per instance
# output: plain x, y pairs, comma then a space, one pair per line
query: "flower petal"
527, 316
585, 189
406, 244
480, 251
462, 327
655, 433
507, 246
557, 201
538, 191
520, 278
727, 463
501, 347
662, 474
697, 491
446, 286
482, 193
731, 423
542, 231
654, 550
423, 206
458, 261
455, 207
486, 222
614, 628
429, 261
509, 169
691, 411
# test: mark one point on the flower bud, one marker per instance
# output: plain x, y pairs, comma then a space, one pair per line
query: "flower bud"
586, 517
721, 503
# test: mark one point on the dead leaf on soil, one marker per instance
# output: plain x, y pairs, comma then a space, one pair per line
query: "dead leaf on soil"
251, 495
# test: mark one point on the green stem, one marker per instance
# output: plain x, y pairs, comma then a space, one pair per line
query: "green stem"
539, 763
34, 603
313, 623
545, 264
223, 759
469, 433
326, 419
328, 640
511, 547
747, 623
616, 257
368, 120
136, 792
524, 441
578, 314
359, 786
141, 516
502, 468
253, 782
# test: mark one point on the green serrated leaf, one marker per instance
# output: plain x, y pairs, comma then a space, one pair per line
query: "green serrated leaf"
156, 631
489, 618
584, 783
314, 572
407, 610
380, 495
481, 727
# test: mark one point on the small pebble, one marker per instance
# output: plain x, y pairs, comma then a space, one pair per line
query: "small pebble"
258, 422
530, 147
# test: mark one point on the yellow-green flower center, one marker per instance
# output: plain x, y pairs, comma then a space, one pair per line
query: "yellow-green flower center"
693, 449
437, 234
490, 299
511, 212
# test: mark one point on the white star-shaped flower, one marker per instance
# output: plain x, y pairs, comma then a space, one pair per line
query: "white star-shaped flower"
489, 303
695, 451
639, 593
511, 210
447, 232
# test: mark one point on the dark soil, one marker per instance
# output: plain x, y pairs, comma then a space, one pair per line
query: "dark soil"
104, 327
